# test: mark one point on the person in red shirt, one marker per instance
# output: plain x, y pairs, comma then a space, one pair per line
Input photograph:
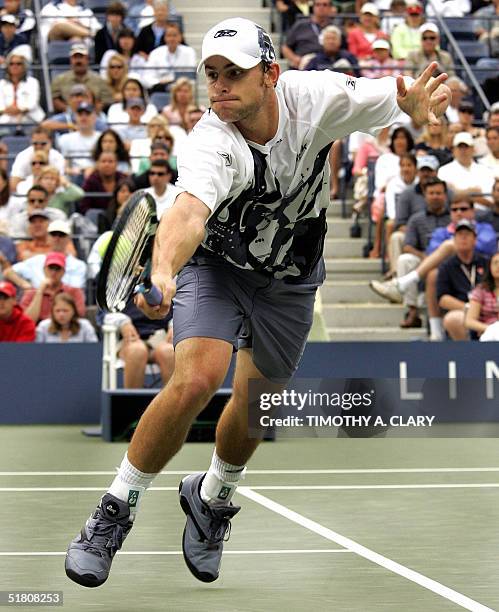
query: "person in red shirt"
37, 303
361, 37
15, 326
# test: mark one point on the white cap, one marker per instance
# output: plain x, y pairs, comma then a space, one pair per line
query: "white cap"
370, 7
59, 226
429, 27
463, 138
381, 43
241, 41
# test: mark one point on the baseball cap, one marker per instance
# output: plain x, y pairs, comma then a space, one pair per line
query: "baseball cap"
463, 138
429, 27
495, 107
59, 226
414, 9
38, 212
428, 161
465, 224
55, 259
78, 90
135, 102
239, 40
371, 8
85, 107
78, 48
381, 43
7, 289
9, 19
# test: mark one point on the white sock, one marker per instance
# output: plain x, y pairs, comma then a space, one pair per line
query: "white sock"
408, 279
130, 484
436, 327
220, 482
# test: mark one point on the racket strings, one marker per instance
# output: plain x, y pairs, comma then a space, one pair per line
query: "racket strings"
124, 268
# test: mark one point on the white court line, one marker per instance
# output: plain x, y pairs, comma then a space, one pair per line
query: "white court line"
481, 485
428, 583
274, 472
284, 551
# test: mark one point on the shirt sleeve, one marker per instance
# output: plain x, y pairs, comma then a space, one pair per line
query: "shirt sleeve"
411, 238
341, 104
208, 166
26, 331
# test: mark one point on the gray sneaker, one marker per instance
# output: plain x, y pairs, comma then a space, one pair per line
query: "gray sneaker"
205, 530
91, 553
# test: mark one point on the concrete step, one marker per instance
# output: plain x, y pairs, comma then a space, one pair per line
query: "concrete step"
375, 334
340, 228
363, 315
352, 268
349, 291
343, 247
335, 208
201, 19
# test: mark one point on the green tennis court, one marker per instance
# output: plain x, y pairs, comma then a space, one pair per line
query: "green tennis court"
330, 524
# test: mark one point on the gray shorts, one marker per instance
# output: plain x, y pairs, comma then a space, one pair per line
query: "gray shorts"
247, 309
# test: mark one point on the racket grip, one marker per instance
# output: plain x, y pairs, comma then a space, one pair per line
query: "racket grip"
152, 294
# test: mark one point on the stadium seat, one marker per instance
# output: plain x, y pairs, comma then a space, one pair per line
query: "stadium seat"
473, 50
97, 6
160, 99
461, 28
486, 67
15, 144
177, 19
190, 74
58, 51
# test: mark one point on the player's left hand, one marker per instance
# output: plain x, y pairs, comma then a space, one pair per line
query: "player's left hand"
425, 100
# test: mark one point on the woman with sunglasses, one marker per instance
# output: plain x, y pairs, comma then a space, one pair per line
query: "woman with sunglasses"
116, 75
19, 93
38, 162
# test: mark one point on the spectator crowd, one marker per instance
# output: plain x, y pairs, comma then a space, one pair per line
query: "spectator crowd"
126, 101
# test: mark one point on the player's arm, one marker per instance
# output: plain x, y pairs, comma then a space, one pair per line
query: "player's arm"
180, 232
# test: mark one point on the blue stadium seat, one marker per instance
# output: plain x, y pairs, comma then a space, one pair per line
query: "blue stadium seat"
160, 99
58, 51
97, 6
190, 74
485, 68
473, 50
15, 144
461, 28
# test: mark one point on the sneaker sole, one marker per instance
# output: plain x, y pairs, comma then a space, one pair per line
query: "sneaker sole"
86, 580
202, 576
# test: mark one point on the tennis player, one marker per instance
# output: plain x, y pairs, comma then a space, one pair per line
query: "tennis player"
245, 238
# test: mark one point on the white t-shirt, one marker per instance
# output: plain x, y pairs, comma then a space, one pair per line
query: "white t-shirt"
57, 12
490, 162
268, 202
117, 114
161, 63
78, 148
166, 200
462, 177
22, 163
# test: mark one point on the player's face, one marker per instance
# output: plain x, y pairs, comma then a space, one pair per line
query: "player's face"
235, 94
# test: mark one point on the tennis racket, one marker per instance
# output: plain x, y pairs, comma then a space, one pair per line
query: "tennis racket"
126, 267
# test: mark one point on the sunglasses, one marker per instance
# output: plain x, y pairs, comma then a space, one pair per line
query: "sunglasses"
467, 111
58, 234
429, 38
54, 267
153, 173
36, 200
16, 64
40, 143
460, 208
115, 66
38, 163
4, 296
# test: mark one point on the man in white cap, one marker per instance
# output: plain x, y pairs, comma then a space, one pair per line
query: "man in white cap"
430, 52
465, 177
245, 238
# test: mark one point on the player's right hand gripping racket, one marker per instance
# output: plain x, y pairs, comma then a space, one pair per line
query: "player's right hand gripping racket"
126, 268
